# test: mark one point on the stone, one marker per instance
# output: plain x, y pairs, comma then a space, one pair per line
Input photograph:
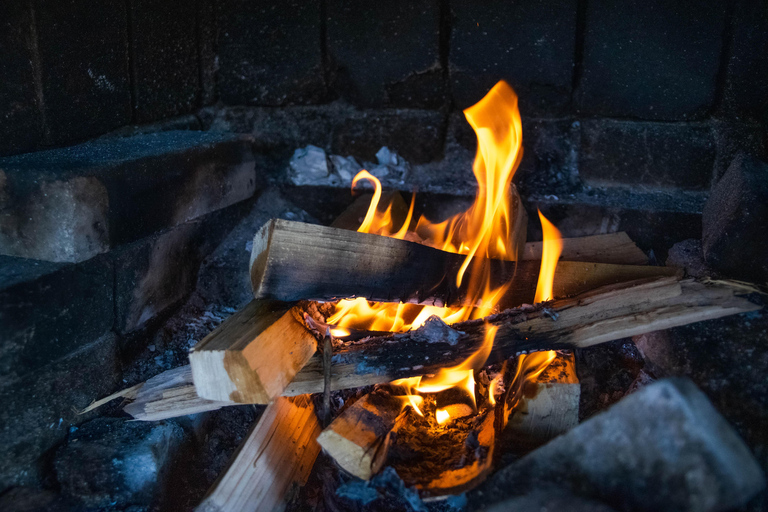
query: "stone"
21, 119
112, 461
223, 277
386, 54
159, 272
746, 85
40, 409
48, 310
83, 58
738, 136
30, 499
268, 55
309, 166
165, 61
734, 221
664, 447
656, 60
531, 45
550, 157
649, 155
689, 256
72, 203
546, 501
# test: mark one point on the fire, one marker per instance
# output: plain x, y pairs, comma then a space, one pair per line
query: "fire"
550, 253
485, 230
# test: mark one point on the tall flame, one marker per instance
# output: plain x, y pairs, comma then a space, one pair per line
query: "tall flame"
485, 230
552, 246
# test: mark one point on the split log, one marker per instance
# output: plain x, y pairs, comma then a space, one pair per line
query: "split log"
279, 452
293, 261
168, 395
598, 316
359, 438
253, 355
541, 409
609, 248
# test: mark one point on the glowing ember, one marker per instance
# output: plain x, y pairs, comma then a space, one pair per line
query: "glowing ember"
485, 230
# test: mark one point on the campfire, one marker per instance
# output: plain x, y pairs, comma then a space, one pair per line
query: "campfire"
432, 349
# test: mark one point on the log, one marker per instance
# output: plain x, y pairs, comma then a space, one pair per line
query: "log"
359, 438
609, 248
253, 355
278, 453
541, 409
293, 261
168, 395
598, 316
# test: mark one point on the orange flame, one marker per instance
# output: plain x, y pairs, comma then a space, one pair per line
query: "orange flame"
552, 246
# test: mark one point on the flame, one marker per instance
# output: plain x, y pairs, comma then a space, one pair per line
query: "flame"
552, 246
485, 230
442, 416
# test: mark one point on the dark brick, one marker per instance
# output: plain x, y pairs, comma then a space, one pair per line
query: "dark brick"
39, 409
528, 44
651, 155
48, 310
165, 60
21, 122
746, 85
416, 135
270, 54
55, 202
386, 53
653, 59
738, 135
207, 33
734, 221
157, 273
84, 60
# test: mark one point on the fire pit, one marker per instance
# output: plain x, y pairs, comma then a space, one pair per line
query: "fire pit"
339, 256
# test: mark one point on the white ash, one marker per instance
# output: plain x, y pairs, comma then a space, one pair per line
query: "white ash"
346, 167
309, 166
435, 330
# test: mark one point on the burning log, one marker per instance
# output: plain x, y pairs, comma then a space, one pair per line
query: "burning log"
168, 395
597, 316
615, 248
359, 438
278, 453
293, 261
253, 355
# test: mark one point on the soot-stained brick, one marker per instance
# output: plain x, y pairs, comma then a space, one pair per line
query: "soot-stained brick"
653, 59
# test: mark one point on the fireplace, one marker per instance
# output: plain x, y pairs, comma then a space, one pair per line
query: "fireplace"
178, 227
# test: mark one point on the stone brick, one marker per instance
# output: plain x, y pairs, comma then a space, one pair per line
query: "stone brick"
159, 272
21, 122
746, 84
207, 33
734, 221
528, 44
654, 59
48, 310
645, 154
69, 204
39, 410
416, 135
270, 54
664, 447
386, 53
111, 461
164, 58
84, 62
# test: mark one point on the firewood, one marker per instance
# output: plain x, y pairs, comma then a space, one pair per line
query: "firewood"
597, 316
353, 216
609, 248
168, 395
253, 355
543, 408
278, 453
293, 261
358, 439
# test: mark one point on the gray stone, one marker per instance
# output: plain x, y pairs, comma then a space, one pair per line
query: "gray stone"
651, 59
734, 221
553, 500
224, 277
39, 410
531, 45
689, 256
650, 155
110, 461
48, 310
30, 499
70, 204
663, 447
